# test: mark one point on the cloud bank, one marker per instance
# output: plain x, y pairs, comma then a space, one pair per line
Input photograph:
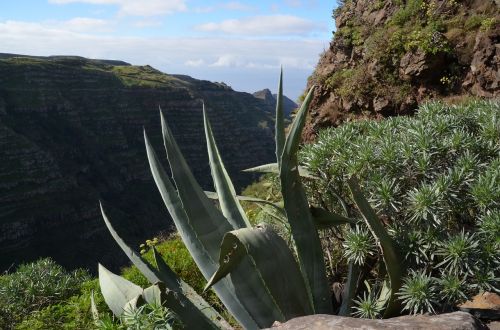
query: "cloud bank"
136, 7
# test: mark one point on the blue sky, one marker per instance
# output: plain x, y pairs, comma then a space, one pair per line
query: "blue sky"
242, 43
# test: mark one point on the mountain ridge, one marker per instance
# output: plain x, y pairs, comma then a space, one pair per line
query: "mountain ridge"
71, 134
267, 96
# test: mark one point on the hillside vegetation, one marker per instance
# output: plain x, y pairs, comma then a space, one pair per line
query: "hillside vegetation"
387, 57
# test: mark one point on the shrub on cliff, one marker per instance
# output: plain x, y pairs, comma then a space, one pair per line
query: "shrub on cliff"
435, 181
35, 286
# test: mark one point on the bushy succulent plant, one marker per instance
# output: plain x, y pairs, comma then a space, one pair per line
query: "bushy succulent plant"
35, 286
434, 179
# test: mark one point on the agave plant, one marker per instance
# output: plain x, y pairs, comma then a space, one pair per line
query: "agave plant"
252, 269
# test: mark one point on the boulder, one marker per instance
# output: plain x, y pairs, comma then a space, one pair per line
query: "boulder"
483, 79
450, 321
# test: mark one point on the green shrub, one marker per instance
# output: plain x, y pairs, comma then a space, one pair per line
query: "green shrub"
409, 12
72, 313
35, 286
418, 293
145, 317
433, 178
429, 39
489, 23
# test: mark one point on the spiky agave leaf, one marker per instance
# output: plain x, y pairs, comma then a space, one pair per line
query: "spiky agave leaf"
280, 121
200, 311
392, 259
118, 292
230, 206
196, 231
275, 169
305, 235
273, 266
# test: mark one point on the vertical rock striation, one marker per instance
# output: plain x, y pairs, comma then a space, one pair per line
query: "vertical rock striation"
71, 134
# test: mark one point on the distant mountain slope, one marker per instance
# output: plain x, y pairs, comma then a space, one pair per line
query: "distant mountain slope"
270, 99
71, 134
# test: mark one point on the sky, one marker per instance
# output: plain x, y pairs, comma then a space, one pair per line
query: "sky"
241, 43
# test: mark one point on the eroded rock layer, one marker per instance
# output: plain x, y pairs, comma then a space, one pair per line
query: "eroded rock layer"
71, 135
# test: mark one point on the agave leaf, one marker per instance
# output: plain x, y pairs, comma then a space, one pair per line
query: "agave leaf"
210, 224
155, 294
192, 295
326, 219
230, 206
305, 235
134, 303
274, 168
136, 259
201, 311
267, 253
350, 289
93, 308
384, 296
214, 196
196, 234
392, 259
116, 290
280, 121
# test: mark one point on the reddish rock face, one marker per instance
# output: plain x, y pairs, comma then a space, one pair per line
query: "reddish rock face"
379, 65
483, 79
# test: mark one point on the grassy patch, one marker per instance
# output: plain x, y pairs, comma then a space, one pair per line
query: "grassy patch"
34, 287
144, 76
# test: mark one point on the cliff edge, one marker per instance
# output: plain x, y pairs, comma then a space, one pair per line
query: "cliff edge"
387, 57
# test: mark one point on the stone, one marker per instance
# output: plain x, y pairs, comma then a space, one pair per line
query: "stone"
494, 325
450, 321
485, 300
483, 79
419, 65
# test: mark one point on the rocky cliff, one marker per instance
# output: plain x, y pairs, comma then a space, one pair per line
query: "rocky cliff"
288, 105
71, 134
386, 57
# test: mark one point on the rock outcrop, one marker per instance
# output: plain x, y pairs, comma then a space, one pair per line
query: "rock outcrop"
387, 57
288, 105
71, 134
451, 321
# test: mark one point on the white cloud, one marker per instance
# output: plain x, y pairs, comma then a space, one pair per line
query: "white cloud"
301, 3
232, 6
55, 29
235, 5
245, 64
227, 60
40, 39
136, 7
264, 25
82, 24
194, 63
147, 23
